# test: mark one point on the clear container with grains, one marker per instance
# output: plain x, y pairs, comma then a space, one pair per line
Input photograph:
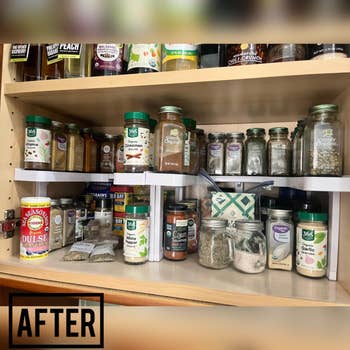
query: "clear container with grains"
234, 152
215, 245
170, 141
191, 151
37, 144
59, 147
279, 152
136, 235
68, 221
75, 155
311, 244
255, 152
179, 57
323, 142
56, 225
216, 153
136, 142
249, 246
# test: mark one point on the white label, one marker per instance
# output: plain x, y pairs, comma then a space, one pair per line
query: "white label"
107, 52
103, 249
58, 219
192, 229
106, 148
82, 247
187, 149
181, 223
136, 146
136, 238
37, 145
144, 56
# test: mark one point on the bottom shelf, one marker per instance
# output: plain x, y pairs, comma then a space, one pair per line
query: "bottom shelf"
184, 280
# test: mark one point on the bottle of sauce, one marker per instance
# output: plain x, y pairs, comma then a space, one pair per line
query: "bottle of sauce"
32, 67
52, 66
90, 151
144, 58
107, 59
244, 54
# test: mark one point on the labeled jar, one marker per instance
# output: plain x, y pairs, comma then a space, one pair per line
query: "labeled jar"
212, 55
179, 57
120, 154
59, 147
75, 155
216, 152
144, 58
52, 67
202, 145
280, 239
297, 146
90, 151
255, 152
32, 66
107, 59
107, 154
68, 221
56, 225
123, 196
249, 246
170, 141
234, 152
152, 126
215, 250
244, 54
328, 51
119, 227
176, 232
136, 142
286, 52
193, 225
323, 142
136, 235
279, 152
104, 212
77, 66
81, 216
311, 244
191, 151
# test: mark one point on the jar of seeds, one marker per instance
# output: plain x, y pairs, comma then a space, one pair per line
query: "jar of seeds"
255, 152
323, 142
234, 153
216, 154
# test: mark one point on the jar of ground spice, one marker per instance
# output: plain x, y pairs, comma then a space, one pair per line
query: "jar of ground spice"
75, 154
90, 151
107, 154
59, 147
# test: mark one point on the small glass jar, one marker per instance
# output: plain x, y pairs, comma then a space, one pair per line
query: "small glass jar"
234, 152
144, 58
286, 52
136, 235
59, 147
215, 250
176, 232
152, 127
202, 145
136, 142
37, 144
212, 55
216, 151
119, 155
52, 68
244, 54
297, 147
107, 154
279, 152
179, 57
104, 212
107, 59
32, 67
56, 225
191, 155
75, 154
90, 151
255, 152
68, 221
249, 246
323, 142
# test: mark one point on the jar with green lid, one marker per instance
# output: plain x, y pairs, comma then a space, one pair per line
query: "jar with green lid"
136, 235
59, 147
255, 152
136, 142
234, 152
37, 144
191, 151
216, 153
75, 155
311, 244
323, 142
152, 127
279, 151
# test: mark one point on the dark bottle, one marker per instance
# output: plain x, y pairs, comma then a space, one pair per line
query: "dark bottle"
52, 68
144, 58
212, 55
107, 59
32, 67
286, 52
244, 54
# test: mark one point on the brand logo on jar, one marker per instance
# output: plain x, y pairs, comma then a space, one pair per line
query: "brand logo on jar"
31, 132
308, 235
131, 225
215, 146
280, 228
133, 132
35, 222
106, 149
233, 147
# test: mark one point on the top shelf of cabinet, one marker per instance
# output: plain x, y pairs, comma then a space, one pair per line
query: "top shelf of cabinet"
275, 92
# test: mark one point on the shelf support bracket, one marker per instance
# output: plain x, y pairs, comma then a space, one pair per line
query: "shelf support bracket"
41, 189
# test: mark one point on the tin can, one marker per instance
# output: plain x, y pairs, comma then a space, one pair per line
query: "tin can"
35, 226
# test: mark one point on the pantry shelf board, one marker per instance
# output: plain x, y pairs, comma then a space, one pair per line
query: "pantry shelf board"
131, 179
171, 180
55, 176
274, 92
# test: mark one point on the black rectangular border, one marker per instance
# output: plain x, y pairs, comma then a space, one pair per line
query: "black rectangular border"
59, 346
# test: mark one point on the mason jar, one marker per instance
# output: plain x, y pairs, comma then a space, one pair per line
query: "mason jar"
234, 153
255, 152
216, 151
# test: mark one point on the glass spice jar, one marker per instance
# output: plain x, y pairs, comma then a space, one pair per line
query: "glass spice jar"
169, 141
107, 154
297, 149
323, 142
279, 152
190, 148
56, 225
286, 52
68, 221
59, 147
144, 58
243, 54
136, 142
75, 154
32, 67
202, 145
216, 151
255, 152
90, 151
152, 126
234, 152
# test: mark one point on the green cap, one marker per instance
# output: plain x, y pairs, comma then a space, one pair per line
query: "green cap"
252, 131
189, 123
324, 108
152, 123
278, 130
306, 216
38, 119
137, 209
170, 109
86, 130
136, 115
72, 126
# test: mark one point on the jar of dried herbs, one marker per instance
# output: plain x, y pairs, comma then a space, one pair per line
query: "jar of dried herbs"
323, 142
59, 147
234, 153
279, 151
202, 145
75, 155
216, 151
255, 152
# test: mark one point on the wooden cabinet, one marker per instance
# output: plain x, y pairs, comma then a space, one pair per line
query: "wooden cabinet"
229, 99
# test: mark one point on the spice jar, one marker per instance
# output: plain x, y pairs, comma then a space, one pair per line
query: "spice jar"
90, 151
56, 225
234, 153
179, 57
107, 154
202, 145
193, 225
122, 197
59, 147
191, 152
215, 244
328, 51
280, 239
37, 144
136, 236
216, 152
119, 227
243, 54
176, 232
120, 154
286, 52
136, 142
323, 142
152, 126
75, 155
104, 212
68, 221
249, 246
279, 152
311, 244
169, 141
255, 152
297, 146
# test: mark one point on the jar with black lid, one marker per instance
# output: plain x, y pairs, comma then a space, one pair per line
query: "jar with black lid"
255, 152
107, 155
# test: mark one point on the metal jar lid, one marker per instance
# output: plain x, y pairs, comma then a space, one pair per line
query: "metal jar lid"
171, 109
238, 135
324, 108
214, 222
280, 213
55, 202
250, 225
66, 201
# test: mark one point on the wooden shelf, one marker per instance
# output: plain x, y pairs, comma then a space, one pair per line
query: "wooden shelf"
275, 92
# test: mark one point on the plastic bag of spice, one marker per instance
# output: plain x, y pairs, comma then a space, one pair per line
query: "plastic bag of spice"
103, 253
79, 251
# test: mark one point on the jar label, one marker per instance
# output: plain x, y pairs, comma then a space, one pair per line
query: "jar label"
255, 158
37, 145
215, 158
79, 155
233, 159
176, 236
108, 57
144, 56
248, 55
19, 53
61, 143
136, 146
187, 149
180, 51
311, 249
192, 233
279, 158
136, 238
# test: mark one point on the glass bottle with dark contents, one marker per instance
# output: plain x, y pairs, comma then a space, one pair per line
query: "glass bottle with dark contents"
32, 67
107, 156
52, 67
107, 59
244, 54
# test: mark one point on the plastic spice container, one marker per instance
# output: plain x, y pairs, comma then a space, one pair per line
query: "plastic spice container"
243, 54
56, 225
37, 144
144, 58
75, 155
169, 141
35, 226
68, 221
286, 52
249, 246
104, 212
255, 152
234, 153
152, 126
280, 239
216, 151
119, 158
327, 51
107, 154
215, 250
90, 151
59, 147
279, 152
136, 235
179, 57
311, 244
123, 196
191, 151
176, 232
